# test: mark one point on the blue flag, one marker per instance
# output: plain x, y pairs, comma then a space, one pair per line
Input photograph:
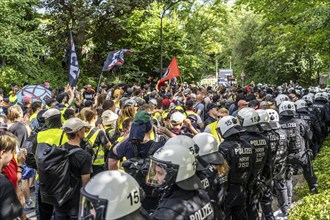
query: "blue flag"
73, 67
115, 58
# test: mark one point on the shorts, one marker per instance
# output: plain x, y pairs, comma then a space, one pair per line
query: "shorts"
27, 172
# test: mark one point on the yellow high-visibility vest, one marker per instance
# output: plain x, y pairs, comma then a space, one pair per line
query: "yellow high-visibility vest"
52, 136
213, 131
98, 150
33, 116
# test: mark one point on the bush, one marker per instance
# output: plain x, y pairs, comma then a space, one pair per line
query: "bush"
313, 207
316, 206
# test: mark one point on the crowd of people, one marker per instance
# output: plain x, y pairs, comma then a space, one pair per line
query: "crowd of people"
182, 151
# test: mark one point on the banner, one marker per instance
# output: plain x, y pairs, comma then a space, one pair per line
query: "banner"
73, 64
35, 92
172, 71
115, 58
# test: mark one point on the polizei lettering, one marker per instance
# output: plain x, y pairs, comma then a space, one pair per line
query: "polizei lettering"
203, 213
240, 150
260, 142
289, 125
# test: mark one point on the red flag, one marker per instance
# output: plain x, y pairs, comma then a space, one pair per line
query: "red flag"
171, 72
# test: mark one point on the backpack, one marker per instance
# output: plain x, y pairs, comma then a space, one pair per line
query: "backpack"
30, 145
138, 168
86, 144
57, 183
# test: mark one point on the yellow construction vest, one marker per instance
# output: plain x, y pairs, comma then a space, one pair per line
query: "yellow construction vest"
190, 112
33, 116
213, 131
51, 136
12, 98
98, 150
62, 115
120, 139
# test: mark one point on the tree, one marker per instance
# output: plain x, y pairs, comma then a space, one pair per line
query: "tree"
20, 42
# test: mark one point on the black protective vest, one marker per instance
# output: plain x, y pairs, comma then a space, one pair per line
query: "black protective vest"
274, 140
183, 204
261, 149
239, 156
281, 155
295, 131
218, 185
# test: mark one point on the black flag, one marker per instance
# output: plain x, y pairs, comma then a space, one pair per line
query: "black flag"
115, 58
73, 61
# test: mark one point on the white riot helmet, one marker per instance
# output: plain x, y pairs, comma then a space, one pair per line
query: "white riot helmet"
274, 119
264, 119
308, 99
311, 95
229, 125
326, 95
188, 143
110, 195
171, 164
301, 105
249, 119
287, 108
209, 148
320, 97
281, 98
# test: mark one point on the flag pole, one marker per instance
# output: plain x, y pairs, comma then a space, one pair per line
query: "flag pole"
98, 85
181, 79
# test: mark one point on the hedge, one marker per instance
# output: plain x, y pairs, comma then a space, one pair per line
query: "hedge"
316, 207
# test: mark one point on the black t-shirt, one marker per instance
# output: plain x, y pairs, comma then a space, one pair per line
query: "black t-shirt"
20, 131
88, 95
126, 149
10, 207
80, 164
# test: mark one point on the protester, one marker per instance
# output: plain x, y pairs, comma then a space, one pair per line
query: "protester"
80, 167
10, 207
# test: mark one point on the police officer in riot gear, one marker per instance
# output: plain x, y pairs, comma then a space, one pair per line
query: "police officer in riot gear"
316, 124
314, 130
281, 98
273, 138
102, 200
299, 152
217, 171
280, 173
249, 119
320, 103
201, 171
172, 169
239, 155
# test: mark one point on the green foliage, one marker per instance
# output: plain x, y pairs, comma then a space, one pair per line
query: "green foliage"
291, 42
316, 206
20, 47
270, 41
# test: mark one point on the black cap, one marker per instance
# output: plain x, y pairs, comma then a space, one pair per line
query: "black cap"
189, 103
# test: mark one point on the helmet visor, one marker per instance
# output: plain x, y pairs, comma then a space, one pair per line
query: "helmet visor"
161, 174
92, 207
